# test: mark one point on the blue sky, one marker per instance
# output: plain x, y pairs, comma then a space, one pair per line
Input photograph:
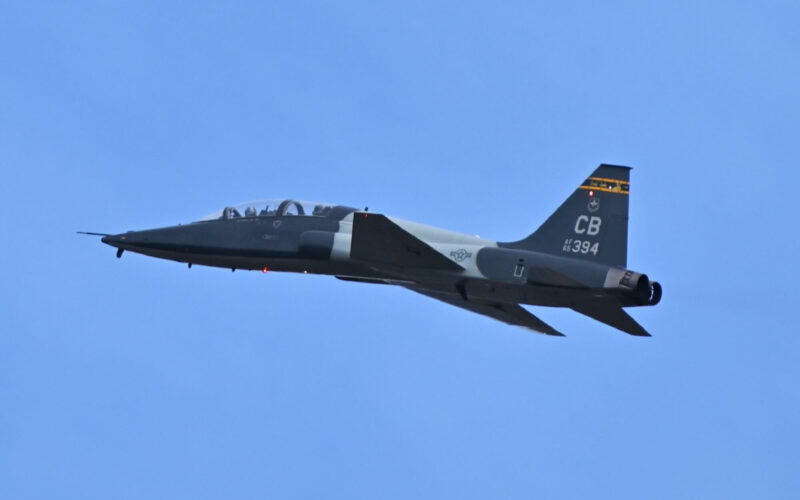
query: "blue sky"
138, 378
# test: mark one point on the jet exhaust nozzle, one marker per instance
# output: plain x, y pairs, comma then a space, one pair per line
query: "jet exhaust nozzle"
655, 293
638, 286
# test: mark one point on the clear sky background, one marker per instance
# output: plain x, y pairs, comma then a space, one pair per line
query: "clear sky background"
137, 378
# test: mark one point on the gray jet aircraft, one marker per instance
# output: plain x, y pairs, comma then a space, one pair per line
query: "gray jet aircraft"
576, 259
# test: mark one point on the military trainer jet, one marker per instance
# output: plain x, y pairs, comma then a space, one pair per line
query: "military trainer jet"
576, 259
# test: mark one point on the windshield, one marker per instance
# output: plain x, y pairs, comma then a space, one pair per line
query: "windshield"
279, 208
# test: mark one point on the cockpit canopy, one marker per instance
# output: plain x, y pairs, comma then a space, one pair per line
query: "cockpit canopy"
280, 208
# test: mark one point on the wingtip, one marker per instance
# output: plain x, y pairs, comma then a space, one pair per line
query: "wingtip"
549, 332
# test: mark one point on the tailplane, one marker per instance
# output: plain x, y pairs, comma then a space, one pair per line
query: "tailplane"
592, 224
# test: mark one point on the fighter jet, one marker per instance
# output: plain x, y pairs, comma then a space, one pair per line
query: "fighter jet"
576, 259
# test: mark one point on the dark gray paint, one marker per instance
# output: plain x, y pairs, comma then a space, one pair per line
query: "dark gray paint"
499, 264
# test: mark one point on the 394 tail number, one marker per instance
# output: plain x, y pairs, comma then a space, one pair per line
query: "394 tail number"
580, 246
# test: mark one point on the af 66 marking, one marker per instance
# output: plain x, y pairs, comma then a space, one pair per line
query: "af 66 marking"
588, 225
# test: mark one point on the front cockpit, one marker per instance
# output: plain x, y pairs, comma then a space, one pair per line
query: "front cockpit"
280, 208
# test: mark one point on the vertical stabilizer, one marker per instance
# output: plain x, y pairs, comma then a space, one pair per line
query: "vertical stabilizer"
592, 224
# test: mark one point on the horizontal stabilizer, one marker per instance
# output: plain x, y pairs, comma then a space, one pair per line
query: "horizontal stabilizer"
378, 240
510, 313
613, 315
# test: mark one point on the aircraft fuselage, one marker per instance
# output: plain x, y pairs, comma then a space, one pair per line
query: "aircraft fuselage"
585, 272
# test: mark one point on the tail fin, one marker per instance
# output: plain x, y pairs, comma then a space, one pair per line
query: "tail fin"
592, 224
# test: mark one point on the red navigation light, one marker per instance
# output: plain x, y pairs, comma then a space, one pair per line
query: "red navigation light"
265, 270
591, 193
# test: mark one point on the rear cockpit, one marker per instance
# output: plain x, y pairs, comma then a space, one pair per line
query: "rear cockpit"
280, 208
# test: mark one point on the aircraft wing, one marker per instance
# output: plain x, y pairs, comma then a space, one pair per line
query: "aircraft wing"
379, 240
612, 315
510, 313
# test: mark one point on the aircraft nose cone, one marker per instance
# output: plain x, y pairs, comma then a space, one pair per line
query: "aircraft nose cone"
173, 242
168, 238
115, 240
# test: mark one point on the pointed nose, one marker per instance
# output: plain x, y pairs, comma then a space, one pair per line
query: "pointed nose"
116, 240
167, 238
132, 240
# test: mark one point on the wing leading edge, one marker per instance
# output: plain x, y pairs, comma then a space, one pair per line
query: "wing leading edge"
513, 314
378, 240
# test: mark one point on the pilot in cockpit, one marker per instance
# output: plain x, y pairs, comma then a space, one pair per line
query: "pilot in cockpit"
230, 213
320, 210
250, 212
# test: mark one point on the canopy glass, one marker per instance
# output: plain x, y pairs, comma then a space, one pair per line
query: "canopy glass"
278, 208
